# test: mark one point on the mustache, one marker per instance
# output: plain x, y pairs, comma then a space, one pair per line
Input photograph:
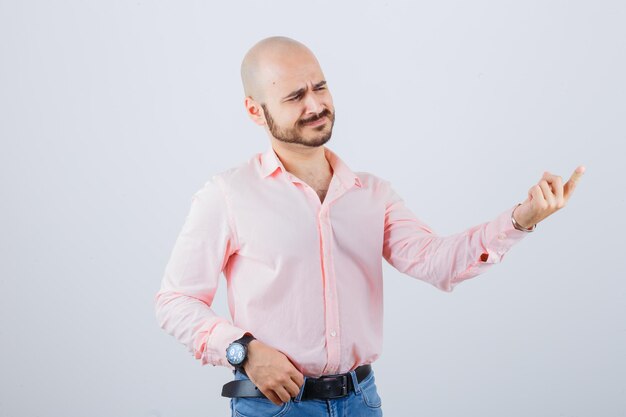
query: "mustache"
323, 113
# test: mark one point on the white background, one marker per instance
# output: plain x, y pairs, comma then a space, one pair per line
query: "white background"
113, 113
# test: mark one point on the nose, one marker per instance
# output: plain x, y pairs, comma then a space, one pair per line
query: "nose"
313, 104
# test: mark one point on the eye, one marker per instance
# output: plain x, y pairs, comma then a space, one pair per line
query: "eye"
295, 98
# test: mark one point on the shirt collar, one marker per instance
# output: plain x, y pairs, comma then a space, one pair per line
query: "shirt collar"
270, 163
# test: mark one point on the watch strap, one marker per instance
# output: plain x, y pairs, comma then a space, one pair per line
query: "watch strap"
245, 339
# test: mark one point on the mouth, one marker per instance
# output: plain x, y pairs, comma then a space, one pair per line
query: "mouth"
318, 122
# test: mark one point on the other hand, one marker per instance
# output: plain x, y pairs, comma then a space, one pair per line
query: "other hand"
546, 197
272, 372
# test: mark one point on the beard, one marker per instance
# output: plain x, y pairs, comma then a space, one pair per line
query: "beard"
295, 134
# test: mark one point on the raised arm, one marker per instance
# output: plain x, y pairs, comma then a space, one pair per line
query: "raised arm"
444, 261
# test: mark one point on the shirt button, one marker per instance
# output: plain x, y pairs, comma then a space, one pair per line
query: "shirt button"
501, 236
333, 333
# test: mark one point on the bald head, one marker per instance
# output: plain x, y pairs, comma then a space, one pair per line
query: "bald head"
269, 60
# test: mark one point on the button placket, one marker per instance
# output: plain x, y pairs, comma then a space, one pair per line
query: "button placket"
332, 307
330, 295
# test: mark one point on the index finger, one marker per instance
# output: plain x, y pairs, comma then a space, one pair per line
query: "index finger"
569, 186
578, 173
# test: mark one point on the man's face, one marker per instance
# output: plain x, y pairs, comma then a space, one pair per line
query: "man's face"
298, 107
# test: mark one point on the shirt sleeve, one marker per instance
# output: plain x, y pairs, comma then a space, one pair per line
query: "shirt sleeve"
413, 248
201, 251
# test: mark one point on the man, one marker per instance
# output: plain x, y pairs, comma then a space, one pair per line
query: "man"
299, 238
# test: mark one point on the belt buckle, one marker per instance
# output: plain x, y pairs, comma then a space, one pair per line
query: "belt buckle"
344, 384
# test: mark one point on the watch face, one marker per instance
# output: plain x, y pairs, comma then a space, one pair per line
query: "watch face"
235, 354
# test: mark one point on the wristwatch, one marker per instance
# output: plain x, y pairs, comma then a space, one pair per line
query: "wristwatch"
237, 351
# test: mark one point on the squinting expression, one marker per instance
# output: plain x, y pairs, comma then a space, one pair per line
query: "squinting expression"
309, 116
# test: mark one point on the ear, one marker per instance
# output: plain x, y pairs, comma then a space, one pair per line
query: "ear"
254, 111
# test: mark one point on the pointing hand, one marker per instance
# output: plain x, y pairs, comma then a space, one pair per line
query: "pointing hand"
546, 197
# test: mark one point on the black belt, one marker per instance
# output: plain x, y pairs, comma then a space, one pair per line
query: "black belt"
324, 387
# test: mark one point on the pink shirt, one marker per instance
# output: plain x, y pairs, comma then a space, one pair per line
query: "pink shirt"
304, 276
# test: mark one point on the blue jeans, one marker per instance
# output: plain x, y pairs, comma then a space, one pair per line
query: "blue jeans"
364, 401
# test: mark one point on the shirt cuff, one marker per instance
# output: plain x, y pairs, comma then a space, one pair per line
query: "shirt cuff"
500, 236
214, 352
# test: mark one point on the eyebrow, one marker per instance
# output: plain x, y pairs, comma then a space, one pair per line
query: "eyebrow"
302, 90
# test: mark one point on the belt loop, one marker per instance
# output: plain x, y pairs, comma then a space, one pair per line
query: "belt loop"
299, 396
355, 383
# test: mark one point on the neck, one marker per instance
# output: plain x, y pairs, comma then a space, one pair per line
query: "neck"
302, 161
